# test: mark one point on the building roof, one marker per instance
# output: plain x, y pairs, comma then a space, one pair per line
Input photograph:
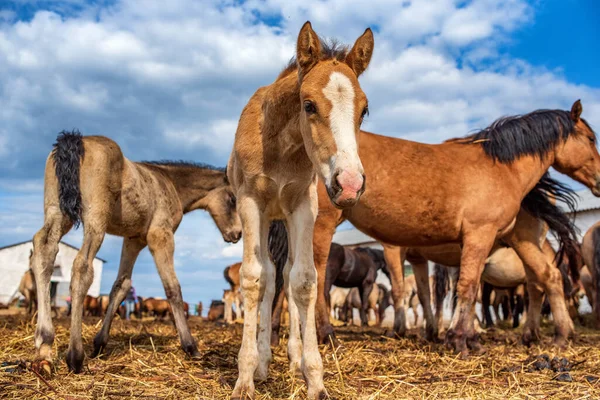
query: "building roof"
29, 241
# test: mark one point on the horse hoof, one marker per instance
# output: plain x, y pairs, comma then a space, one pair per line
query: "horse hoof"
457, 342
75, 361
318, 395
326, 335
560, 342
275, 339
243, 392
43, 367
529, 337
393, 334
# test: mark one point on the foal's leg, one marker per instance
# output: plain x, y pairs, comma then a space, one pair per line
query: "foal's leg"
267, 293
294, 340
254, 227
395, 261
82, 275
162, 246
365, 291
303, 285
129, 253
476, 247
421, 271
45, 248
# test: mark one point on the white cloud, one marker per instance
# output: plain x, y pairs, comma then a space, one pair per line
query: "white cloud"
169, 80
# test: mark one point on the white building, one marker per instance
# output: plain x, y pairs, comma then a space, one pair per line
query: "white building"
14, 262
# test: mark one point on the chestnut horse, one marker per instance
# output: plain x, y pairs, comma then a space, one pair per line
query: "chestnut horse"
467, 191
303, 125
89, 181
354, 268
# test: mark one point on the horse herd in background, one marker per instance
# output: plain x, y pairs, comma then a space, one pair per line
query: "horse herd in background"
300, 166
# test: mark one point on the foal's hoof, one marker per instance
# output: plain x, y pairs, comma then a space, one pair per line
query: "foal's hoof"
43, 367
560, 342
326, 335
75, 361
529, 337
319, 394
395, 334
274, 339
243, 392
456, 341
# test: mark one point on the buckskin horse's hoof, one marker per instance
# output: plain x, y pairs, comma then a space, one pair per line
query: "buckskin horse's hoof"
43, 367
529, 337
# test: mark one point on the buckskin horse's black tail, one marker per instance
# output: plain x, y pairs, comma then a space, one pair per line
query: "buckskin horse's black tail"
68, 152
538, 204
440, 274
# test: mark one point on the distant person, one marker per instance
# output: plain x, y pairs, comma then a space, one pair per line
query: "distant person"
130, 301
199, 309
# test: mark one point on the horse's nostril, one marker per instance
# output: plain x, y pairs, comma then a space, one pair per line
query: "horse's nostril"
335, 184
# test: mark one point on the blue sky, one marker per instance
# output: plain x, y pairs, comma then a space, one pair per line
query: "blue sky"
169, 80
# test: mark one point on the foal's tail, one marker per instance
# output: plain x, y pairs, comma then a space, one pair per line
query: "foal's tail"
68, 153
440, 274
278, 248
538, 204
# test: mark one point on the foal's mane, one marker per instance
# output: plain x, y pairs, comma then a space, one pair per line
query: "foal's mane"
182, 163
534, 134
331, 49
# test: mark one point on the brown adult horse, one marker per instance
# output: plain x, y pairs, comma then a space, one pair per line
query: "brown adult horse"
89, 181
467, 191
354, 268
303, 124
590, 250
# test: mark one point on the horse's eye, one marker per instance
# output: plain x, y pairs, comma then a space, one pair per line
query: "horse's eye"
592, 139
309, 107
232, 200
364, 112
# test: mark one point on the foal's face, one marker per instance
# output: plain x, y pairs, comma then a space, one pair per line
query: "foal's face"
578, 157
222, 208
332, 110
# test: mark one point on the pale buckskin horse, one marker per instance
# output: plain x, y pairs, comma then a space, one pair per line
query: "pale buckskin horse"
89, 181
467, 191
303, 125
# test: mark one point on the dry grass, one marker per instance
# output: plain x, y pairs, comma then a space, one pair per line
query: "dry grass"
144, 361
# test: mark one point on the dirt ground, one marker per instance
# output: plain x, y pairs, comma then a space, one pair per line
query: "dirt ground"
144, 361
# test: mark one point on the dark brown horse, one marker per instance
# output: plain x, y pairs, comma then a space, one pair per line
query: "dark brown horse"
89, 181
467, 191
354, 268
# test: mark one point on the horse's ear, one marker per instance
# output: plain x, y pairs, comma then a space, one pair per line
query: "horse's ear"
576, 111
308, 49
359, 57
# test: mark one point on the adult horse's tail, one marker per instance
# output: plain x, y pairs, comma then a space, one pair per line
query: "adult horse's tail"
538, 203
278, 248
441, 283
68, 153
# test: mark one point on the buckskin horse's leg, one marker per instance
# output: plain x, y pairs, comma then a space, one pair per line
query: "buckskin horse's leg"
476, 247
82, 276
394, 259
129, 253
162, 247
303, 291
421, 271
45, 248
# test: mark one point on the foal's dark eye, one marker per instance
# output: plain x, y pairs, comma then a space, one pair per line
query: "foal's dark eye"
364, 112
592, 139
309, 107
232, 201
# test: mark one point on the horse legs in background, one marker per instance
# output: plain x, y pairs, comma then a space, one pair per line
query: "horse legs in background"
486, 294
276, 317
365, 291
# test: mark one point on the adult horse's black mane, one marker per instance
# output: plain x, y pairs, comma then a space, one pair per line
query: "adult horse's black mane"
377, 257
537, 133
182, 163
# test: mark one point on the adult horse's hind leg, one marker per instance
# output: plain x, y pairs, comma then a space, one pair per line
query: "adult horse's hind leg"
162, 247
129, 253
45, 248
476, 247
421, 271
395, 263
365, 291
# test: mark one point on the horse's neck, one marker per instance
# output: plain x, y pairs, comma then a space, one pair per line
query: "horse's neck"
281, 106
193, 184
528, 170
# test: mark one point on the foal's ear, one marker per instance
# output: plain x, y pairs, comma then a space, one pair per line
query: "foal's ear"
359, 57
308, 49
576, 110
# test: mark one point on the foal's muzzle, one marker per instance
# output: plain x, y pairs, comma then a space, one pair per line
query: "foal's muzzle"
346, 188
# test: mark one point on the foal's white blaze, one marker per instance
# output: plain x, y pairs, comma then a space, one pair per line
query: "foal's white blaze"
340, 92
